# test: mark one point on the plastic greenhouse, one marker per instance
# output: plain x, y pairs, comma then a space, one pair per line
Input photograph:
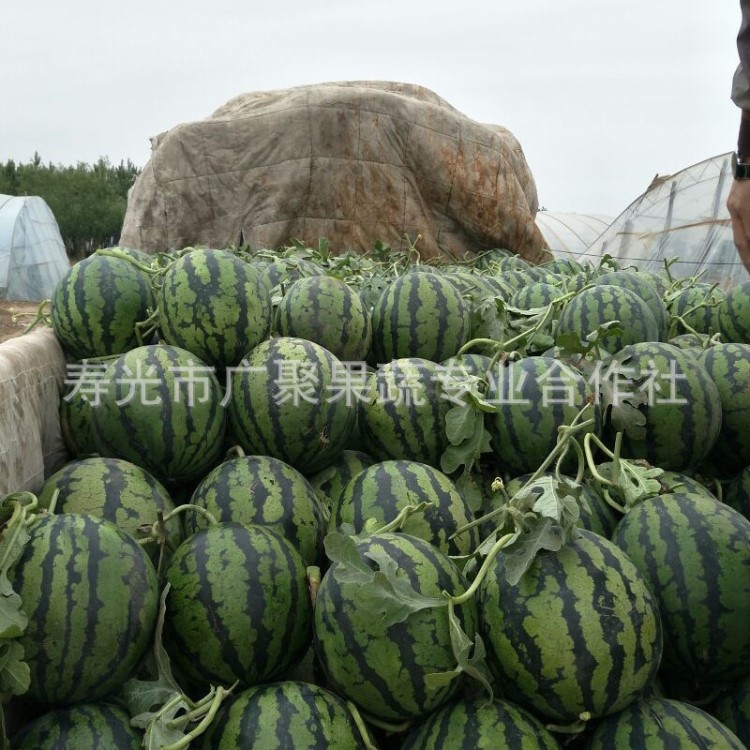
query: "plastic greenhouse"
32, 253
682, 216
568, 234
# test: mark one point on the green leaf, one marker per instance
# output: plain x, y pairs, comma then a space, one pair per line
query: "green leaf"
15, 676
631, 481
461, 423
390, 596
342, 549
13, 619
518, 557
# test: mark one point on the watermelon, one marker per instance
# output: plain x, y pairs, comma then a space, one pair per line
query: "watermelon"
89, 726
265, 491
695, 554
732, 709
77, 417
533, 396
238, 608
380, 665
282, 272
645, 287
734, 314
383, 490
580, 632
603, 303
330, 313
403, 416
479, 724
294, 400
420, 315
96, 305
162, 411
737, 493
698, 306
91, 596
536, 294
662, 723
673, 481
113, 489
330, 482
679, 401
215, 306
286, 715
729, 368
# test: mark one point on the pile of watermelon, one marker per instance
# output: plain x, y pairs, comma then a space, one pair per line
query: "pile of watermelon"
359, 501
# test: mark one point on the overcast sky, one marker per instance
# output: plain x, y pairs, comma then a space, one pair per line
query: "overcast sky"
602, 95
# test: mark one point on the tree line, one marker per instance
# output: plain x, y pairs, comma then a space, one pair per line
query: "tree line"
88, 200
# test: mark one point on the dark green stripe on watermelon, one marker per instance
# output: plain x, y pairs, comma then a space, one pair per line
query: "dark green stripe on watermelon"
239, 608
729, 368
330, 313
148, 415
91, 726
265, 491
403, 416
603, 303
737, 493
645, 287
329, 483
76, 422
698, 306
734, 314
695, 554
383, 490
579, 633
478, 724
662, 723
289, 400
682, 406
382, 668
90, 593
214, 305
419, 315
96, 305
286, 715
733, 709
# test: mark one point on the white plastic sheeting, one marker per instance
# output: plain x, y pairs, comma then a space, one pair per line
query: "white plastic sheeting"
569, 234
681, 216
32, 253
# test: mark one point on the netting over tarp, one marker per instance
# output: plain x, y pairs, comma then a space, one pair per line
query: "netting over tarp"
32, 253
569, 234
684, 216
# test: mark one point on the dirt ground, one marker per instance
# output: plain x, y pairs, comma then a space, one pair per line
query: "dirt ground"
9, 329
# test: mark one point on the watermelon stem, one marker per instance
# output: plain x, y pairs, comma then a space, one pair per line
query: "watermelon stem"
493, 553
189, 506
359, 722
40, 316
214, 703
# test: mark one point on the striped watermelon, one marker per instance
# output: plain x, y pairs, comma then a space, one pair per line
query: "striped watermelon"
673, 481
732, 709
403, 416
96, 305
162, 411
536, 294
737, 493
682, 408
598, 517
383, 490
238, 608
284, 716
579, 633
77, 421
662, 723
91, 595
729, 368
215, 306
645, 287
419, 315
381, 666
695, 554
283, 272
734, 314
115, 490
330, 313
329, 483
697, 305
294, 400
89, 726
533, 396
603, 303
265, 491
478, 724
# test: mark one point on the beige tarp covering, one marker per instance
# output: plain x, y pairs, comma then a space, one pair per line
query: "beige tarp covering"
32, 373
353, 162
